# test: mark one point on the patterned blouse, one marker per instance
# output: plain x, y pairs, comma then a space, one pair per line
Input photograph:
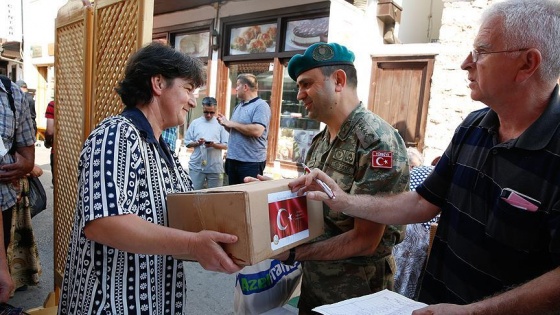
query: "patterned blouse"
410, 255
123, 169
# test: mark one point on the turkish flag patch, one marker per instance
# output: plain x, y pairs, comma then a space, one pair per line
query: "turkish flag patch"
382, 159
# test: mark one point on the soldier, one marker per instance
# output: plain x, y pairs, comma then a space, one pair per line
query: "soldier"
365, 155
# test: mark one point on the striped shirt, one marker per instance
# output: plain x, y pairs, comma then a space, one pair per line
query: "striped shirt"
25, 135
123, 170
485, 245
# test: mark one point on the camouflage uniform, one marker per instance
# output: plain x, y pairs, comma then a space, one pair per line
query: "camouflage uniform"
348, 161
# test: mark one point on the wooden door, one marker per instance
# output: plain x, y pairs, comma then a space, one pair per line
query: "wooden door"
400, 92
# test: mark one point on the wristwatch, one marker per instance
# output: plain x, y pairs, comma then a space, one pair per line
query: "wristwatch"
291, 258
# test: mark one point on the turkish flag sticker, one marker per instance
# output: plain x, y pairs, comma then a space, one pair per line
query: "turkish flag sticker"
382, 159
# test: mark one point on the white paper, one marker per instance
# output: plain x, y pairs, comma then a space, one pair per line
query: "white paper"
380, 303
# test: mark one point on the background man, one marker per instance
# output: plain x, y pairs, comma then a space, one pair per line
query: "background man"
30, 101
353, 257
208, 138
17, 157
248, 132
49, 133
497, 247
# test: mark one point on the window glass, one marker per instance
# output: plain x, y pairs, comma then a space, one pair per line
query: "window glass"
196, 112
304, 33
296, 128
263, 72
253, 39
195, 45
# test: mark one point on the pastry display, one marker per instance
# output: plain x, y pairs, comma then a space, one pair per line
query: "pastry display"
309, 32
254, 39
249, 33
189, 45
272, 32
239, 43
256, 46
265, 37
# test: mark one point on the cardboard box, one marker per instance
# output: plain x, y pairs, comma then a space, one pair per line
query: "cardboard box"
266, 217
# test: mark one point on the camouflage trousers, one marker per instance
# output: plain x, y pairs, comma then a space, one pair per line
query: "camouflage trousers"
326, 282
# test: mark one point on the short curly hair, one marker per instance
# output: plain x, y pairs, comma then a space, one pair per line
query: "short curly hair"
156, 59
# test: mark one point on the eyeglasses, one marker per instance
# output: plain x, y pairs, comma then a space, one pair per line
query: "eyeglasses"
209, 113
476, 54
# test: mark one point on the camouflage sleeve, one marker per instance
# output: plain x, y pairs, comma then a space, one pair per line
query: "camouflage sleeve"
371, 180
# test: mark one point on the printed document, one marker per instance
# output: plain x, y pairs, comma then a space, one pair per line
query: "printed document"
380, 303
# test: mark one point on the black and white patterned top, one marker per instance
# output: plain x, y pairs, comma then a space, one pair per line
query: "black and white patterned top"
123, 169
410, 255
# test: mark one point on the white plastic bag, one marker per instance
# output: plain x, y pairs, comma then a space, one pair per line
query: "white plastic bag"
264, 286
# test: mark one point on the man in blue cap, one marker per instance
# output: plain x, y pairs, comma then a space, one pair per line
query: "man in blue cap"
365, 155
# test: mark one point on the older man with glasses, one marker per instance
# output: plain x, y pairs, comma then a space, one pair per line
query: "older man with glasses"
208, 138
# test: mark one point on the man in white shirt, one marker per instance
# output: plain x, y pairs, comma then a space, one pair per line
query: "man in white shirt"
208, 138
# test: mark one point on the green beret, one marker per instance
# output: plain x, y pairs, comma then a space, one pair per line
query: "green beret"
319, 55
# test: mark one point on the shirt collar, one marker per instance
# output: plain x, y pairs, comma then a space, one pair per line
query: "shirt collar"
540, 133
249, 102
141, 123
352, 120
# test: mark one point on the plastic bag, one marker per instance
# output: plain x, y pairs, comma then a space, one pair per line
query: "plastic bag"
264, 286
37, 196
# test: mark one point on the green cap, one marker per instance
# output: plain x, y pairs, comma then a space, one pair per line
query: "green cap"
319, 55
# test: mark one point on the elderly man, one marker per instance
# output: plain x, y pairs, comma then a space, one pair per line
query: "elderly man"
353, 257
497, 247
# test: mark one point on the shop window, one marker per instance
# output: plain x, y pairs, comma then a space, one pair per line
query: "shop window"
195, 45
196, 112
304, 33
255, 39
252, 40
261, 44
296, 128
263, 72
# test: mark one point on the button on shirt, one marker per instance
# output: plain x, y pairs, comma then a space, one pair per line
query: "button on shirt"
24, 135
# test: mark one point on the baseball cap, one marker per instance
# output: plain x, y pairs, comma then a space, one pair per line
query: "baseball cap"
319, 55
21, 83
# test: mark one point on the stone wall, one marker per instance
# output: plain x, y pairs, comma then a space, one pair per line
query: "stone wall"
450, 100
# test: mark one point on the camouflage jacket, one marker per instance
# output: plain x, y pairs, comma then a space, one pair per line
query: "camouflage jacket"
348, 160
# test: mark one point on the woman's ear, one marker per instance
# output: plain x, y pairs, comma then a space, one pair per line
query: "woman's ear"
158, 84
